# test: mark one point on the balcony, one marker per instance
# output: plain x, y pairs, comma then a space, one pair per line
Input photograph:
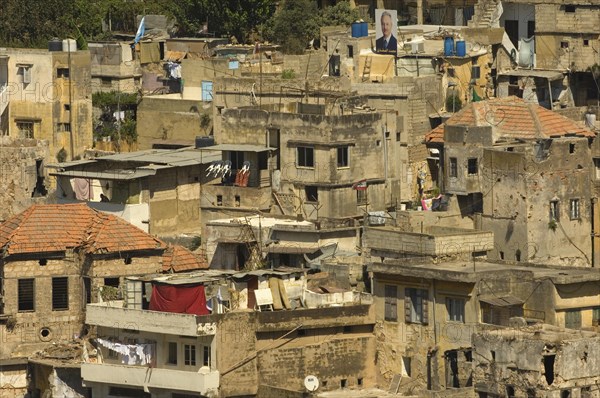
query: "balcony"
146, 377
112, 314
252, 196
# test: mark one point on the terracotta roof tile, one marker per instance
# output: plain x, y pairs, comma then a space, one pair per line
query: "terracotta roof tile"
56, 228
179, 259
511, 118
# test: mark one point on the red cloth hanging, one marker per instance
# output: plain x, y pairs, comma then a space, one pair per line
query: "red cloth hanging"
179, 299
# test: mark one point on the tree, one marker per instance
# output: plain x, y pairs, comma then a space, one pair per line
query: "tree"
339, 14
295, 25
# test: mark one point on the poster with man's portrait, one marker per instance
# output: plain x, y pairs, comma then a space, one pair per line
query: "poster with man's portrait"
386, 25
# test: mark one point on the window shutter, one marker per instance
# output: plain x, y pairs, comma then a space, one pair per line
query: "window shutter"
26, 75
407, 306
425, 307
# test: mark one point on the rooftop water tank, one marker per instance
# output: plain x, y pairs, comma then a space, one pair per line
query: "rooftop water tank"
69, 45
448, 46
55, 44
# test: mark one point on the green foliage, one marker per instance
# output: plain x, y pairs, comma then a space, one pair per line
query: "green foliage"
288, 74
61, 155
453, 103
108, 125
296, 23
339, 14
299, 21
204, 120
552, 225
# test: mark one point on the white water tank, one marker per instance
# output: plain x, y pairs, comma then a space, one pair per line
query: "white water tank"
69, 45
590, 120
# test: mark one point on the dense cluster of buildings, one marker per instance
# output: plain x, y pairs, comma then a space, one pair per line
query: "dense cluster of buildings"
334, 224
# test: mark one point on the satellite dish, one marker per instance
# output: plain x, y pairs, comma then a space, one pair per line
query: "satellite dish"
311, 383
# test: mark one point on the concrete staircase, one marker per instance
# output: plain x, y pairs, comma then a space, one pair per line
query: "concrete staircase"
485, 11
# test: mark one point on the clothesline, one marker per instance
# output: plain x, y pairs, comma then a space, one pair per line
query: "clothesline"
131, 354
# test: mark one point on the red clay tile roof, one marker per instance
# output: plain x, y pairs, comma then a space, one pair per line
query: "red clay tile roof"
56, 228
511, 118
179, 259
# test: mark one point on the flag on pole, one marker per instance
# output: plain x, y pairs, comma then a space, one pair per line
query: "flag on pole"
141, 30
360, 185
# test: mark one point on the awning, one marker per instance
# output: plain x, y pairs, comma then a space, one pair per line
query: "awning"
503, 301
238, 148
291, 247
175, 56
233, 240
545, 74
117, 175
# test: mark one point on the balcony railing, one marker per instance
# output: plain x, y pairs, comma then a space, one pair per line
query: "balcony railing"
201, 382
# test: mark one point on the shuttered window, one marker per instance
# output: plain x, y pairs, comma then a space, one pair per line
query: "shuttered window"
416, 306
26, 295
573, 319
391, 303
60, 293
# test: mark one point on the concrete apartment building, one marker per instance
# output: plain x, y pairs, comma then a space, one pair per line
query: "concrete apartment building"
56, 259
540, 361
157, 190
46, 95
113, 67
235, 350
524, 172
427, 313
311, 160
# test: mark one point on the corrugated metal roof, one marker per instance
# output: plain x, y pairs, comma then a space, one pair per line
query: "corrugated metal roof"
504, 301
238, 147
546, 74
115, 175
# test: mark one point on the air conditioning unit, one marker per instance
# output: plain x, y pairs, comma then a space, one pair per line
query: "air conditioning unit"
417, 47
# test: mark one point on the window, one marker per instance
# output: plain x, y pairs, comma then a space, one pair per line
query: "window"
415, 306
24, 72
127, 392
87, 289
312, 193
305, 157
596, 316
172, 357
472, 167
343, 157
206, 356
361, 197
574, 209
391, 303
554, 211
63, 127
350, 51
571, 148
569, 8
114, 282
60, 293
25, 128
189, 357
219, 200
398, 137
455, 307
26, 292
597, 167
586, 42
453, 171
62, 73
573, 319
564, 44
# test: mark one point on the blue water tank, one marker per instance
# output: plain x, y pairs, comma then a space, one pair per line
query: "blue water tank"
461, 48
356, 29
448, 46
364, 29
